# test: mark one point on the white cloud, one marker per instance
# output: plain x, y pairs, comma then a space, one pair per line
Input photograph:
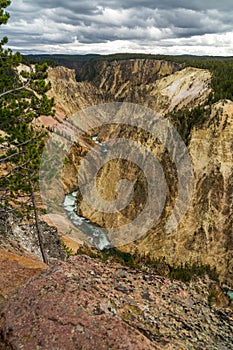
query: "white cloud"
175, 27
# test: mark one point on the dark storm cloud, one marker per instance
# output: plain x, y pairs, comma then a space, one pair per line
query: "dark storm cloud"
133, 24
74, 5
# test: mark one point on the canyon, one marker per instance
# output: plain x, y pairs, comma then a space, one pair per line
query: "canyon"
205, 233
92, 300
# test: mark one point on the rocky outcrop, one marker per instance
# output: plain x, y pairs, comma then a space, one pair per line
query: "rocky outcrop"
85, 303
20, 236
16, 270
17, 267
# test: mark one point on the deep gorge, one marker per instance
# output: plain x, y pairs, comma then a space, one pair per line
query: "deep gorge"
205, 234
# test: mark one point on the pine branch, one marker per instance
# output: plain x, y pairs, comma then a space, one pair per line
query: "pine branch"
19, 145
21, 166
16, 89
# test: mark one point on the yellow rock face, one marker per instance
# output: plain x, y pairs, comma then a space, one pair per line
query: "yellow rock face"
16, 270
205, 234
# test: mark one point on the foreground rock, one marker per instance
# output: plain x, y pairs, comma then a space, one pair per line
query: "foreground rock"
16, 270
86, 304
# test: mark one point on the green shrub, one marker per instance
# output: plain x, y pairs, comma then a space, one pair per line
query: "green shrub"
68, 251
185, 272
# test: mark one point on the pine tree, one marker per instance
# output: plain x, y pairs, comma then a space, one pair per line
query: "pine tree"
22, 100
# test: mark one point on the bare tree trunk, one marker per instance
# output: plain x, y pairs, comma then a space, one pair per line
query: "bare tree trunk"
39, 233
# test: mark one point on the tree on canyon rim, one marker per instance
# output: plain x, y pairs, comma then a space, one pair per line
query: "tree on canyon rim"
22, 100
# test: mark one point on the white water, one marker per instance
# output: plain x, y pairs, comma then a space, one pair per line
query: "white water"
98, 234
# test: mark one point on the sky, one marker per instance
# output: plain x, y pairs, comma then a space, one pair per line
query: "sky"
198, 27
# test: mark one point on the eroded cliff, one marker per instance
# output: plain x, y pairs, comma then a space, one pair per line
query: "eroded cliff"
205, 234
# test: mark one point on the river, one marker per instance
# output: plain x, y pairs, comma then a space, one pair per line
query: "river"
98, 235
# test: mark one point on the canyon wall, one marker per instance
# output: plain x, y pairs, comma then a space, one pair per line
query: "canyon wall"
205, 234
